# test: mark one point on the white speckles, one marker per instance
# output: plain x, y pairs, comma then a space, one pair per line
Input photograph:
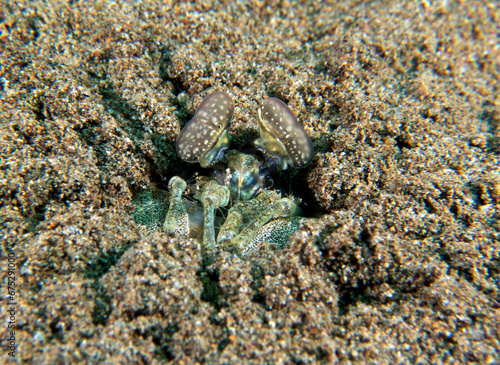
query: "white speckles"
201, 135
286, 132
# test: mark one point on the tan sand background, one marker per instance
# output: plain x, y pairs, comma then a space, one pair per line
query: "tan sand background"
401, 100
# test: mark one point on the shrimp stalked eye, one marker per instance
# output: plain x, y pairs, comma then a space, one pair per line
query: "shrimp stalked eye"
281, 136
205, 137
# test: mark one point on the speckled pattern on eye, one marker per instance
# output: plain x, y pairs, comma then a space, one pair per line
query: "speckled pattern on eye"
282, 135
205, 137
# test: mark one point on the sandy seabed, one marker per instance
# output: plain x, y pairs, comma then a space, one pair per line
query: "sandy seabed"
401, 100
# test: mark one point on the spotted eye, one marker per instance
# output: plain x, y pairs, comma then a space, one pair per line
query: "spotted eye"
281, 136
204, 138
